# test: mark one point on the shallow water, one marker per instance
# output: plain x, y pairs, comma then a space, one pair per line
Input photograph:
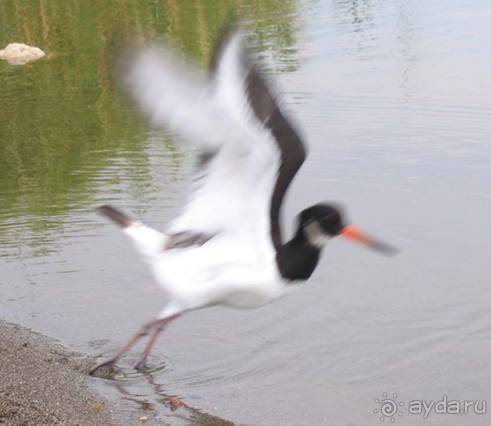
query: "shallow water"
393, 98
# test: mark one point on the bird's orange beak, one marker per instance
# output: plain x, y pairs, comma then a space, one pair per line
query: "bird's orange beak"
355, 234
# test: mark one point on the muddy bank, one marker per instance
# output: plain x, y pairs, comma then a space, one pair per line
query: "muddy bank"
43, 383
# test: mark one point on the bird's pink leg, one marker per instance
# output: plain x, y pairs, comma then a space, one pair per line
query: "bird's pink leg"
157, 328
142, 333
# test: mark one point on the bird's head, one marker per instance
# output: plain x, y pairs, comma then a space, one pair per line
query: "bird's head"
321, 222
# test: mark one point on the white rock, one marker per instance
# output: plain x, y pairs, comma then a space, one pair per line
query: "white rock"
20, 53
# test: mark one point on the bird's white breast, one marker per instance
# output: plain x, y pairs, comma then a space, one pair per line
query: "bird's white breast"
219, 272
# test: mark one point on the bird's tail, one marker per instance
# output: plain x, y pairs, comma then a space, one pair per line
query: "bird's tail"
116, 215
149, 242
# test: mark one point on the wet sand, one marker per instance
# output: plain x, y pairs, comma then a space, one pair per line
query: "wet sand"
43, 383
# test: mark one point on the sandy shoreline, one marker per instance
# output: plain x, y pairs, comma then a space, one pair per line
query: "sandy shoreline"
43, 383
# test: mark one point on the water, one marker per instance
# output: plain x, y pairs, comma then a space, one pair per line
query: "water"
393, 98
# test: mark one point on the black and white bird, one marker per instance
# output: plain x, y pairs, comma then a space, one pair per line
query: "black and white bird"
226, 247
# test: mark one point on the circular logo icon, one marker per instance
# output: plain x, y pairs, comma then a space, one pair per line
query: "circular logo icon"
388, 407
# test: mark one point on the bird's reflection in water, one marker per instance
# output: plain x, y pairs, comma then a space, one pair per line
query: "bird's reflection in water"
164, 404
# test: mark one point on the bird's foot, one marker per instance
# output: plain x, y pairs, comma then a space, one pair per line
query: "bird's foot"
105, 369
140, 364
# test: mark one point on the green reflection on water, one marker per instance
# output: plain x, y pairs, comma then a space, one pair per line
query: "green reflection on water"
62, 118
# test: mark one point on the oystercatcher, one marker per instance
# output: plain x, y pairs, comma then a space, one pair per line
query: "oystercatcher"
226, 247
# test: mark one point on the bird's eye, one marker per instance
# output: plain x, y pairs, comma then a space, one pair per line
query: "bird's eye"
329, 218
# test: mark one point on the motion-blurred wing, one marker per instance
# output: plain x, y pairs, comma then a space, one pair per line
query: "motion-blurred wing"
173, 96
237, 77
248, 152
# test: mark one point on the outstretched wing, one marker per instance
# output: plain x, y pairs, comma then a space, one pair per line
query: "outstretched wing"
248, 152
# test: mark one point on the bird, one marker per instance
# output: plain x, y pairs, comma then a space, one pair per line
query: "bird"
226, 247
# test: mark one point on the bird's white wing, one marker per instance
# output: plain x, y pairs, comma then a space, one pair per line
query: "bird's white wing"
174, 96
236, 121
